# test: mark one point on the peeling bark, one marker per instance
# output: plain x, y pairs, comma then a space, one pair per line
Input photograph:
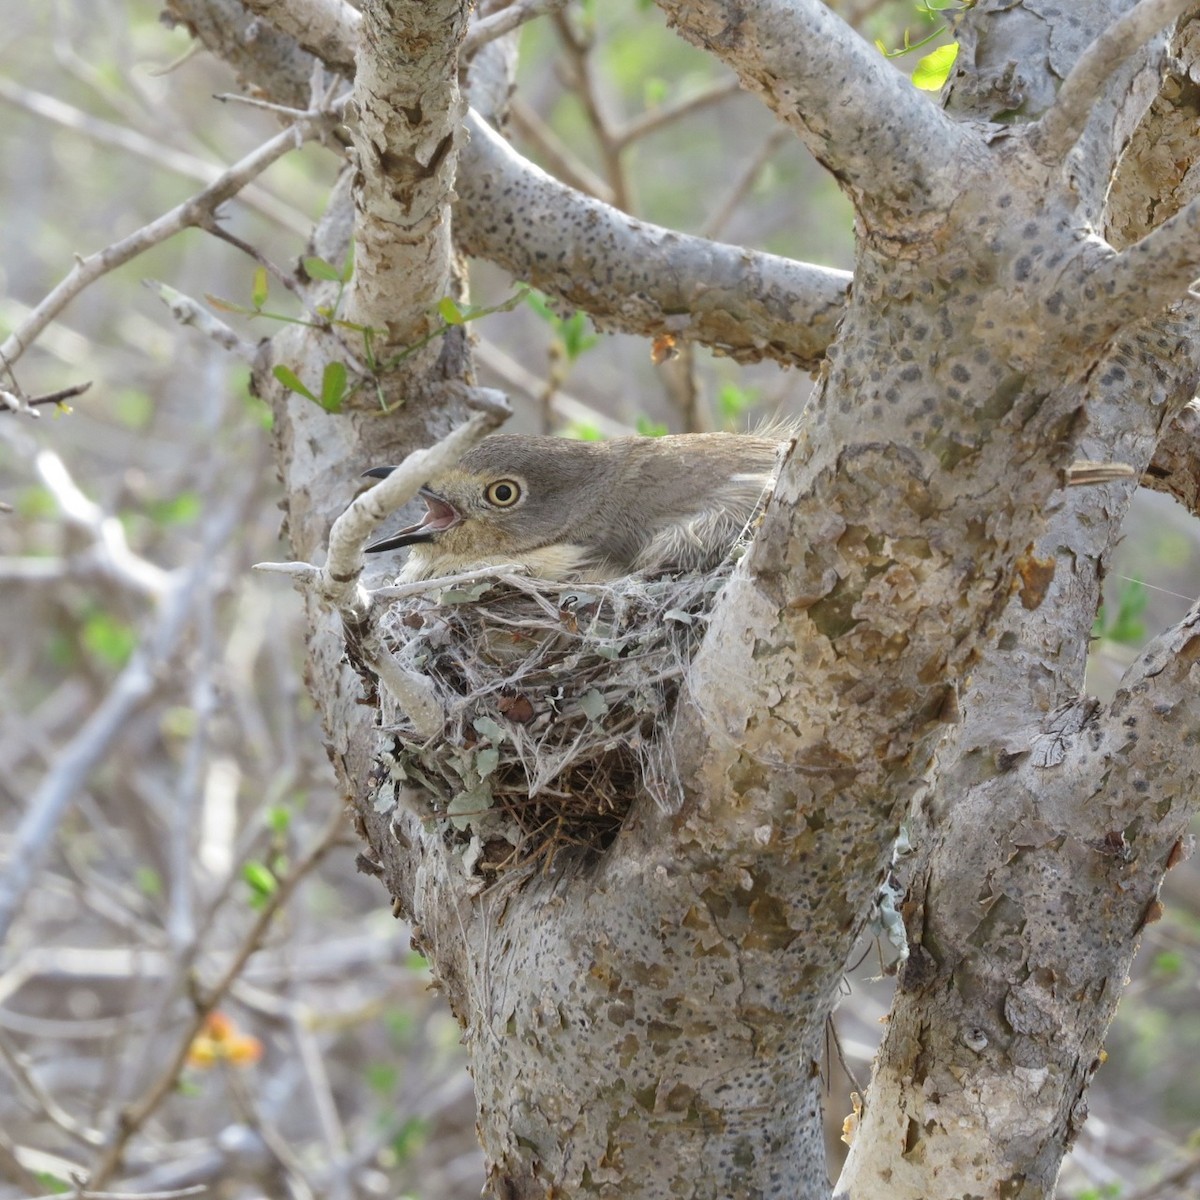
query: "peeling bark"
911, 622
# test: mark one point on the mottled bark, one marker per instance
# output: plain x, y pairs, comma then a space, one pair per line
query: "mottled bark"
911, 621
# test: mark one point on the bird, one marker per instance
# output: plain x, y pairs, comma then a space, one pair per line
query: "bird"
588, 511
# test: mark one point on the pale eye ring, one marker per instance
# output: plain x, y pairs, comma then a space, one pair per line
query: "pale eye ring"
504, 493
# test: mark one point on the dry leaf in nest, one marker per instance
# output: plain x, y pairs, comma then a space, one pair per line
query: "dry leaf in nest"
556, 699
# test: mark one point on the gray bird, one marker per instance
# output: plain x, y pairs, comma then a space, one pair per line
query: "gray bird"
588, 511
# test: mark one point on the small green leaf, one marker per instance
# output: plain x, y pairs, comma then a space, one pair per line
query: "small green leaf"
583, 431
108, 639
318, 268
654, 91
227, 305
932, 71
291, 381
733, 401
260, 289
148, 881
593, 705
134, 409
649, 428
262, 883
52, 1183
179, 510
409, 1138
333, 386
468, 805
486, 761
382, 1078
487, 728
279, 819
449, 311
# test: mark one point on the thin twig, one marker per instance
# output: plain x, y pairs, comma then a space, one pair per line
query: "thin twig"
511, 17
655, 118
561, 160
188, 214
151, 150
579, 50
135, 1115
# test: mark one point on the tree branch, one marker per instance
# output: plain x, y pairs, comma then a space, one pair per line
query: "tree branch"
410, 113
1144, 279
192, 212
1063, 123
636, 277
886, 143
1175, 467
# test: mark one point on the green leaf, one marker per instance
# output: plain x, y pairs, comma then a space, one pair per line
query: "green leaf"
291, 381
262, 883
333, 386
1127, 628
733, 401
449, 311
409, 1138
279, 819
148, 881
583, 431
649, 428
468, 805
486, 761
654, 91
134, 409
108, 639
593, 705
52, 1183
382, 1078
486, 727
932, 71
180, 510
260, 288
318, 268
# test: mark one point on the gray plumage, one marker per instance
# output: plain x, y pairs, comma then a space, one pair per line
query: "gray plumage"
590, 510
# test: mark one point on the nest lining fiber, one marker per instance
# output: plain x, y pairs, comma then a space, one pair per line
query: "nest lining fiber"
556, 699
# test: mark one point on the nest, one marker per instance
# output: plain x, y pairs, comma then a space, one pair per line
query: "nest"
557, 698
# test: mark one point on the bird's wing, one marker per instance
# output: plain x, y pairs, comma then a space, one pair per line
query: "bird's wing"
699, 541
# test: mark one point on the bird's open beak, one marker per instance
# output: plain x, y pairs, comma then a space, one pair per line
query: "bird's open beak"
440, 515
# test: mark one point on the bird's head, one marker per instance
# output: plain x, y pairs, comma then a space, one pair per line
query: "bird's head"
510, 499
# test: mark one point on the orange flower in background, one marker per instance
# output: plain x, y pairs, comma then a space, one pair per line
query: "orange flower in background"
220, 1041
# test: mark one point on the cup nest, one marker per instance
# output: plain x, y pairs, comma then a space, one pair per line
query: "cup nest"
557, 702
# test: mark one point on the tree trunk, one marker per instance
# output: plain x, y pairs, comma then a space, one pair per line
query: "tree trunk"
911, 621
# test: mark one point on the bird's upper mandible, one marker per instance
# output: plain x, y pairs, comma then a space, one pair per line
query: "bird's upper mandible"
588, 511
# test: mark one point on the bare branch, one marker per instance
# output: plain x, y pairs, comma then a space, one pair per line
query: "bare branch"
191, 212
636, 277
1062, 124
512, 16
886, 142
655, 118
104, 133
136, 1115
562, 160
187, 311
31, 840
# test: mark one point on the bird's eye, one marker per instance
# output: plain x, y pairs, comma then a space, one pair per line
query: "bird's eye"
504, 493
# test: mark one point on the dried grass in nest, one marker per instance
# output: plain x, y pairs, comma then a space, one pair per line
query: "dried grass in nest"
556, 697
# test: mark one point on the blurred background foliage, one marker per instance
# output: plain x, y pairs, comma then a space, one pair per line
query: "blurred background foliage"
332, 1068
